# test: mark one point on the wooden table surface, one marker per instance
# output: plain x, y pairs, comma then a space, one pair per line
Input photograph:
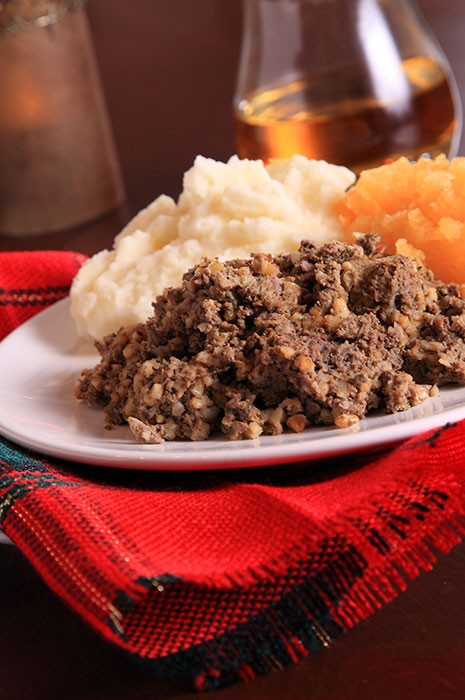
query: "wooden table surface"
168, 70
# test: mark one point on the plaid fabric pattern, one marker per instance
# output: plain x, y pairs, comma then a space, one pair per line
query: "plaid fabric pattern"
26, 290
222, 576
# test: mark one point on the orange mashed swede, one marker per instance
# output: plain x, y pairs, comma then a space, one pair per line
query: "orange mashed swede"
418, 208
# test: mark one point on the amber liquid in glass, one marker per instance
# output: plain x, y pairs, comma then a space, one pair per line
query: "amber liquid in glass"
335, 118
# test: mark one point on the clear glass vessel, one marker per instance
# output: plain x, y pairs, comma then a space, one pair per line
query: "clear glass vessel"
353, 82
58, 163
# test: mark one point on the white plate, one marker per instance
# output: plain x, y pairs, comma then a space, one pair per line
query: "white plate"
40, 363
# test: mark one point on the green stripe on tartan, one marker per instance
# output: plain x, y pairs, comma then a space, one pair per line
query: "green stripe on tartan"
34, 475
295, 626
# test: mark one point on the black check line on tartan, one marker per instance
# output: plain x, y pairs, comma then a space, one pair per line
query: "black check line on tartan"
32, 297
34, 475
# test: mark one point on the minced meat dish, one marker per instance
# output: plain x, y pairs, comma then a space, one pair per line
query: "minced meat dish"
258, 346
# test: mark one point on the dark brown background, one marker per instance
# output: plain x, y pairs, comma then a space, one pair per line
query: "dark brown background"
168, 70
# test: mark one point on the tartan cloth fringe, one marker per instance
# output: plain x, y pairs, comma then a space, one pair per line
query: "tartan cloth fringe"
223, 576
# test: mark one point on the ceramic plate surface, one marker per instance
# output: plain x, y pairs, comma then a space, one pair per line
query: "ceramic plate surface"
39, 366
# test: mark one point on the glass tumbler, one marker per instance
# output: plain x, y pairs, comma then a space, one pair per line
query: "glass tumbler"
353, 82
58, 163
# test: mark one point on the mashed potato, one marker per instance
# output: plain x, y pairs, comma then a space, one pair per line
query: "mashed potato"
226, 210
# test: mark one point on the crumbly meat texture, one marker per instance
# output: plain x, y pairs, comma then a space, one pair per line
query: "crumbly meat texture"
321, 336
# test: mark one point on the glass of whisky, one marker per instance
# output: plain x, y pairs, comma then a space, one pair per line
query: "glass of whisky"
354, 82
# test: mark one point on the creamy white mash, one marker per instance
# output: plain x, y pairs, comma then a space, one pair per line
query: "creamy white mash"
226, 210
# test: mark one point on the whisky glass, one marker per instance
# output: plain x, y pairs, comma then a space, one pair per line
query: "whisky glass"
353, 82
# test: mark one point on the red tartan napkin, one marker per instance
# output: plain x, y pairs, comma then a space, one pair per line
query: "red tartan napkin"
223, 576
